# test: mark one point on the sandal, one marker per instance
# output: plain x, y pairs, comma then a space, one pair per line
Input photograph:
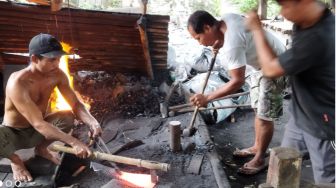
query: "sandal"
249, 170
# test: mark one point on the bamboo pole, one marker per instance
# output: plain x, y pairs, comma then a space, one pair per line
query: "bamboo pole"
118, 159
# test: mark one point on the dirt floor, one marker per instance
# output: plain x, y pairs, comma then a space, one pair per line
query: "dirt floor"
132, 116
240, 134
154, 133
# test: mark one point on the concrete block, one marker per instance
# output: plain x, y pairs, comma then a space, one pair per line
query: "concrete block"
284, 168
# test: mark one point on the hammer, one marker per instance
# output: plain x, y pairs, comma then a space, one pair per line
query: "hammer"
164, 104
190, 130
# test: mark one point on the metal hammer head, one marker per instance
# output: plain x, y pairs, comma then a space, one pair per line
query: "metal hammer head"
171, 113
187, 132
164, 109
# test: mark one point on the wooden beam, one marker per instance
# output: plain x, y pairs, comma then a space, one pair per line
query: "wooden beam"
144, 41
40, 2
56, 5
144, 6
262, 9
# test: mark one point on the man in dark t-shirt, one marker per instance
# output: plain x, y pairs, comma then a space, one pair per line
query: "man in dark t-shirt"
310, 63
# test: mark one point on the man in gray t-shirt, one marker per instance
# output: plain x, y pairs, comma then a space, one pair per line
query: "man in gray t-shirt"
310, 63
238, 50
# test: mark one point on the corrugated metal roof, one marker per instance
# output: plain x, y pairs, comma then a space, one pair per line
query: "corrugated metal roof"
105, 40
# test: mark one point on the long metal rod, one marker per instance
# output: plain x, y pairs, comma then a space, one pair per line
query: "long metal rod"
118, 159
213, 108
101, 144
173, 108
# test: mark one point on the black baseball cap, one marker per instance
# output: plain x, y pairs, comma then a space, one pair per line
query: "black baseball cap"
45, 45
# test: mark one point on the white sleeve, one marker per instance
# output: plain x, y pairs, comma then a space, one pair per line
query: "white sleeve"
234, 58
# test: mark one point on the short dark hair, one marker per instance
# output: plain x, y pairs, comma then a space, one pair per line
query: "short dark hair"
278, 1
198, 19
38, 57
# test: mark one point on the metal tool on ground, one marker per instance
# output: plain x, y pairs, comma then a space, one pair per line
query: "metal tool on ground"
118, 159
177, 107
190, 130
103, 148
164, 104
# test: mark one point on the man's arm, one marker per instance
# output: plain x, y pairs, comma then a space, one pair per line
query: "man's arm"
268, 60
25, 105
235, 83
77, 106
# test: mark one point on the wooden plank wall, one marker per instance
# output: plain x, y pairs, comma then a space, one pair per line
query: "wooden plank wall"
105, 40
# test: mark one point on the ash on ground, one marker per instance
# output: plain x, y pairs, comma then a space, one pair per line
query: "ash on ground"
150, 138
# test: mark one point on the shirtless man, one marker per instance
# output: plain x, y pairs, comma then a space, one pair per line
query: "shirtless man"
25, 123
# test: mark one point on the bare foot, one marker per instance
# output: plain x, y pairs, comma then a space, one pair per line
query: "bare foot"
247, 152
252, 149
20, 173
255, 162
47, 154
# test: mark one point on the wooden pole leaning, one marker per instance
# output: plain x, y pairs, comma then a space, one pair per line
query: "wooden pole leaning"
190, 130
153, 165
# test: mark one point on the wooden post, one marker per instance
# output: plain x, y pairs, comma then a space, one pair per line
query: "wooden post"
262, 9
144, 6
284, 168
144, 40
175, 135
56, 5
332, 5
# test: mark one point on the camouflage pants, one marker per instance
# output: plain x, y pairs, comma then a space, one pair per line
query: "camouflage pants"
266, 96
13, 139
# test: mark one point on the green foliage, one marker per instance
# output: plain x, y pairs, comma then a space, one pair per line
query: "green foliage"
212, 7
114, 3
245, 5
104, 4
273, 9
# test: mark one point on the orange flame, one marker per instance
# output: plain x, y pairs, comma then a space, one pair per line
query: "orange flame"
139, 180
58, 102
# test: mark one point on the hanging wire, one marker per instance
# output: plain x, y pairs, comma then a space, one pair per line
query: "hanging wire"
71, 34
70, 18
56, 24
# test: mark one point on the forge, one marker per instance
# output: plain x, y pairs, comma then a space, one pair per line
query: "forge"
139, 132
133, 128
